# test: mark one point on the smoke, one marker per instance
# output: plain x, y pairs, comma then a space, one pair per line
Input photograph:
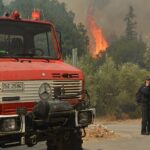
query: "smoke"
110, 14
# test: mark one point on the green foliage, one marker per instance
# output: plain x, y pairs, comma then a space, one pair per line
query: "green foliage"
25, 7
131, 76
86, 63
1, 8
113, 87
128, 48
147, 57
123, 51
107, 87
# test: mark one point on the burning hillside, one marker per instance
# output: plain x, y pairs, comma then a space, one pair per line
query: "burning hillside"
98, 44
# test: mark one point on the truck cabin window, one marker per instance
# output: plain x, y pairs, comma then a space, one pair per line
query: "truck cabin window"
27, 40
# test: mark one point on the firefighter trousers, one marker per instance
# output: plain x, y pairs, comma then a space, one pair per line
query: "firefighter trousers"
145, 108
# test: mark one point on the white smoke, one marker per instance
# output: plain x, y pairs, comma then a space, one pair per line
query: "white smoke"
110, 14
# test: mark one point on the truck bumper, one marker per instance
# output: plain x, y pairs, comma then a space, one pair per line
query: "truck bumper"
11, 140
65, 121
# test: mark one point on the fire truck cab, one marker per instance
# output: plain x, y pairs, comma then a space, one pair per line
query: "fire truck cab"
41, 97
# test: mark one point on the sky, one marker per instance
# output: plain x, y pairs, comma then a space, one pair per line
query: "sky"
110, 14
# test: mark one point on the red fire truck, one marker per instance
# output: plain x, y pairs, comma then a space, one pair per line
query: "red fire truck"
41, 97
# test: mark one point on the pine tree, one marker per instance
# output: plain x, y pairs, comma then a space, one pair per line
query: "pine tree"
131, 24
147, 57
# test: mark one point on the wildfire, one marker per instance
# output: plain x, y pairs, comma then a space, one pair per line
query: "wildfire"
98, 44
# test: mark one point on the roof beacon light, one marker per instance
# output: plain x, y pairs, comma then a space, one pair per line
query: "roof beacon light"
15, 14
36, 14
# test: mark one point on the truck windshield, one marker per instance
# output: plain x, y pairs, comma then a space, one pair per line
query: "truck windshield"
26, 40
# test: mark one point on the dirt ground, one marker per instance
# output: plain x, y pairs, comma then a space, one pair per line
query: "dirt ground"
126, 137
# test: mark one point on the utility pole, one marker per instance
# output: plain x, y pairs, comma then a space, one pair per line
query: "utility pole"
74, 56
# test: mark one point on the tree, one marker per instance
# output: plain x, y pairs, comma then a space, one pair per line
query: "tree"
131, 33
1, 8
123, 51
88, 65
24, 7
131, 77
128, 48
147, 57
112, 87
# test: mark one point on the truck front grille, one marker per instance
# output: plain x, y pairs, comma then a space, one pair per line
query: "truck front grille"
71, 88
31, 89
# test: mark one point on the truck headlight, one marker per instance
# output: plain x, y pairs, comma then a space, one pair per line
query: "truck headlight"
9, 124
85, 117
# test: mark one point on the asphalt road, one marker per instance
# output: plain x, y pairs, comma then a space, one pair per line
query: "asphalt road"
128, 138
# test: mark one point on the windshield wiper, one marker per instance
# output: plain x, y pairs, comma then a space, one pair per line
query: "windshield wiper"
45, 58
48, 58
31, 55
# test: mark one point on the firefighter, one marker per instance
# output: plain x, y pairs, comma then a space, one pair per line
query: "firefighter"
143, 98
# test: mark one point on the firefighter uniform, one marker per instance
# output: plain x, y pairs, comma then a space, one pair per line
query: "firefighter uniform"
143, 98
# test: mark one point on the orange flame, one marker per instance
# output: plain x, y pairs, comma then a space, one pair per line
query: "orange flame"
98, 44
